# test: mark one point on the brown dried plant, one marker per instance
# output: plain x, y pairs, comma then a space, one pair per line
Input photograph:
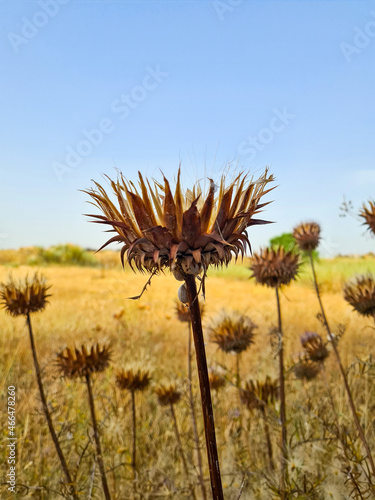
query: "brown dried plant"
84, 362
368, 213
22, 298
216, 381
306, 369
314, 347
187, 233
233, 332
360, 294
307, 236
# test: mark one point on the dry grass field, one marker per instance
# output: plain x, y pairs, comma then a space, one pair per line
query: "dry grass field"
89, 304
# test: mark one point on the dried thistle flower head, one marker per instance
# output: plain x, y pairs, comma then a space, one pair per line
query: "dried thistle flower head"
232, 332
275, 267
22, 297
216, 381
257, 395
183, 312
307, 236
133, 380
361, 295
168, 394
184, 231
314, 346
306, 369
368, 213
80, 362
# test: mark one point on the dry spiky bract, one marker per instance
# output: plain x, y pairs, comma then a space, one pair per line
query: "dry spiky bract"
22, 297
361, 295
84, 361
314, 346
233, 333
133, 380
168, 395
306, 369
307, 236
275, 267
368, 213
186, 232
216, 381
257, 395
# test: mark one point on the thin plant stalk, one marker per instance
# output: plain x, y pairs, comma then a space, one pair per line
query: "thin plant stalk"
284, 451
181, 451
47, 414
208, 416
268, 439
99, 455
194, 419
134, 450
345, 379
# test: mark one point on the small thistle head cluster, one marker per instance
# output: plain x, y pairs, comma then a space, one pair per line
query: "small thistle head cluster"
315, 349
368, 213
257, 395
183, 311
305, 369
361, 295
168, 394
307, 236
80, 362
233, 333
274, 267
22, 297
216, 381
187, 232
133, 380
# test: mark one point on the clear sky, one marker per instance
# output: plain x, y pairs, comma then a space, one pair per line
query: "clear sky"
87, 86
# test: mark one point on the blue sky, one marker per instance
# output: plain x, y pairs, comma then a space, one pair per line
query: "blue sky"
89, 86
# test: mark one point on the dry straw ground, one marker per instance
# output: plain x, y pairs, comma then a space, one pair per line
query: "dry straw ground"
90, 304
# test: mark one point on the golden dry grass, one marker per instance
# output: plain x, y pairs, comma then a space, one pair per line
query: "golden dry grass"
90, 304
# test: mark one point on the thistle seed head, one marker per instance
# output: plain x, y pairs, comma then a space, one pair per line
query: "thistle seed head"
80, 362
187, 232
274, 267
23, 297
314, 346
168, 394
216, 381
133, 380
307, 236
368, 213
233, 332
306, 369
257, 395
361, 295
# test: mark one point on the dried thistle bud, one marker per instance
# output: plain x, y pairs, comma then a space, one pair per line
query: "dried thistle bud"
183, 311
368, 213
22, 297
184, 231
306, 369
274, 267
133, 380
257, 395
168, 394
314, 346
361, 295
233, 333
307, 236
216, 381
84, 361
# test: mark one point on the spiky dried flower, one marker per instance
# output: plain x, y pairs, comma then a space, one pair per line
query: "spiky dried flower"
368, 213
133, 380
361, 295
274, 266
306, 369
22, 297
314, 346
183, 312
216, 381
80, 362
186, 232
257, 395
307, 236
168, 394
233, 332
